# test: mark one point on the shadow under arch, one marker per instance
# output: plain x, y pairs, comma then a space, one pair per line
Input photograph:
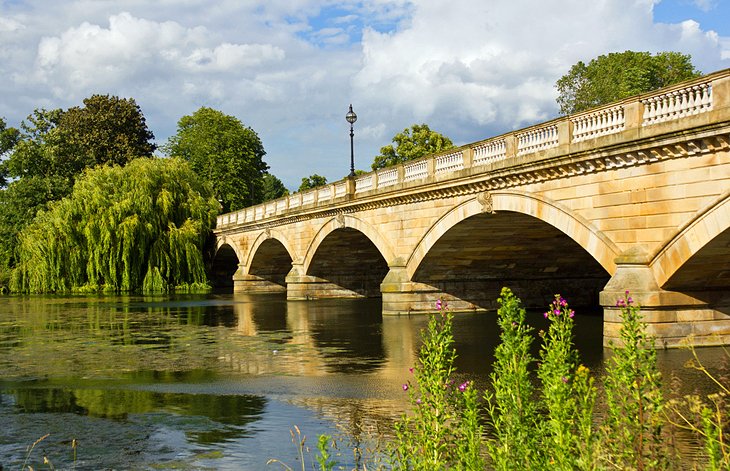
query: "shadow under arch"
267, 235
224, 264
270, 258
535, 246
698, 256
348, 222
579, 229
348, 258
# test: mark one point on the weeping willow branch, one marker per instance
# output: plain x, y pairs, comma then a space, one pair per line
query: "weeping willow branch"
140, 227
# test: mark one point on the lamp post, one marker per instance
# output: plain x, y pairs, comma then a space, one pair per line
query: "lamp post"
351, 117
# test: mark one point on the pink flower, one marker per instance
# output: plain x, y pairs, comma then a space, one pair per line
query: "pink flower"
564, 379
546, 314
439, 304
463, 386
571, 313
418, 401
410, 369
405, 387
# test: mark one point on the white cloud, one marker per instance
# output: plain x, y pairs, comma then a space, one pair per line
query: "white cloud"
705, 5
494, 64
9, 25
289, 68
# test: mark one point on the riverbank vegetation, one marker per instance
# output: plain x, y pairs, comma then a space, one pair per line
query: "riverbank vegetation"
74, 217
540, 412
137, 227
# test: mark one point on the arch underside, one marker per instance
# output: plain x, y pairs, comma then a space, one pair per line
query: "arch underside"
271, 262
225, 264
706, 274
349, 260
476, 257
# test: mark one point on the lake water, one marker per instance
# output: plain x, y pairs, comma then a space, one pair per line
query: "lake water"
220, 381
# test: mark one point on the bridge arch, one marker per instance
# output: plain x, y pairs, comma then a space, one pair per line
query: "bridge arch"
226, 241
348, 222
707, 227
268, 235
585, 234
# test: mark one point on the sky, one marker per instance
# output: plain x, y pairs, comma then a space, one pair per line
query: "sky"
470, 69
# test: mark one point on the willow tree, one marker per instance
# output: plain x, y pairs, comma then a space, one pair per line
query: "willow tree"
140, 227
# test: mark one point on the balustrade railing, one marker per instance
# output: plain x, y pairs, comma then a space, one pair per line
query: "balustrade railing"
415, 170
365, 183
537, 139
387, 177
683, 100
677, 103
324, 193
449, 162
489, 152
598, 123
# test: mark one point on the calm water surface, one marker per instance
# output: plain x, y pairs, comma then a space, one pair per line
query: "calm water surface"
219, 381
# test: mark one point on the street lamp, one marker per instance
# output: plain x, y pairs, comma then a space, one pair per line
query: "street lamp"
351, 117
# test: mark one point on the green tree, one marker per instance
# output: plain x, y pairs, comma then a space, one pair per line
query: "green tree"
106, 130
131, 228
224, 153
8, 138
412, 143
619, 75
312, 181
52, 148
273, 188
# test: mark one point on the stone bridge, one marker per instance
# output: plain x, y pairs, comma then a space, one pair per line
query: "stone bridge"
630, 196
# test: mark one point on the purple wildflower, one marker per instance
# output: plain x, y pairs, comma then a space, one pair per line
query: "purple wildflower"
439, 304
405, 387
463, 386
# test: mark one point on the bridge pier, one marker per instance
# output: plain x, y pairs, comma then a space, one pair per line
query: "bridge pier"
301, 286
401, 296
245, 283
672, 318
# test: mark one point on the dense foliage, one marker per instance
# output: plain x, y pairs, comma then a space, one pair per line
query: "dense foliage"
137, 227
618, 75
273, 188
412, 143
44, 157
312, 181
224, 153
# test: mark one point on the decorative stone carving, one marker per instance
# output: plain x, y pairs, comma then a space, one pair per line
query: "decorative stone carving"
268, 233
485, 199
340, 219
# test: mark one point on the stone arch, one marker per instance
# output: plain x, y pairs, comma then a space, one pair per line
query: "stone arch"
263, 237
351, 222
221, 241
707, 224
603, 250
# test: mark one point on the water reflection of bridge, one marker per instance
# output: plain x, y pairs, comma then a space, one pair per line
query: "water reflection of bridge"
309, 340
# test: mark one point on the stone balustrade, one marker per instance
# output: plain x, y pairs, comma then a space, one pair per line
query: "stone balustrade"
648, 115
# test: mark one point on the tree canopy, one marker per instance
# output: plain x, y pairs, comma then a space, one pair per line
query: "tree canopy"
312, 181
273, 188
412, 143
137, 227
619, 75
224, 153
52, 147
